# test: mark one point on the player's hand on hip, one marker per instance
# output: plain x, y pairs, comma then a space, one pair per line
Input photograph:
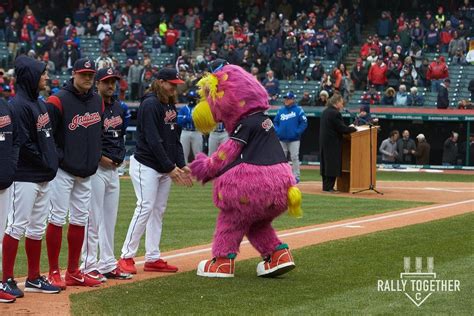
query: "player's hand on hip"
107, 163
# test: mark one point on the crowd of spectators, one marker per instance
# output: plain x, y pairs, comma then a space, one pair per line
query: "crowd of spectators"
394, 60
273, 41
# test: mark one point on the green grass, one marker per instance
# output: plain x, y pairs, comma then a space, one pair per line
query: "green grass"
313, 175
190, 218
333, 278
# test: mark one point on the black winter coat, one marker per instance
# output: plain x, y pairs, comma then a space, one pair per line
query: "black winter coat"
330, 141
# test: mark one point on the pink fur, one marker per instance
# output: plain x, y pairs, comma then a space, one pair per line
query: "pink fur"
266, 188
239, 86
249, 196
206, 168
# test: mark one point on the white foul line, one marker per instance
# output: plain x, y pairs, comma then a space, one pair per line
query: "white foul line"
354, 223
301, 232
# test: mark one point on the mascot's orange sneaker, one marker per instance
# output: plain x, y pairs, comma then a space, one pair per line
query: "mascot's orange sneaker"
280, 262
219, 267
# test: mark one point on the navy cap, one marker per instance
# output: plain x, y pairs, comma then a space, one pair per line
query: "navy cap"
170, 75
84, 65
6, 88
217, 65
289, 95
106, 73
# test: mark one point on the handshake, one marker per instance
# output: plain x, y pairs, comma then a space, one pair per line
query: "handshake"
182, 176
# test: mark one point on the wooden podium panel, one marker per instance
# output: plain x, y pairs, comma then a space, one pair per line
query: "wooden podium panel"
356, 160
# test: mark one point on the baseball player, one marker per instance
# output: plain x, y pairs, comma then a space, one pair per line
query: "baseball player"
36, 167
217, 137
8, 161
157, 161
78, 133
290, 122
190, 137
105, 187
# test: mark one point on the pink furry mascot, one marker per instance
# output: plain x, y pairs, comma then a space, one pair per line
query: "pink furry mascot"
253, 183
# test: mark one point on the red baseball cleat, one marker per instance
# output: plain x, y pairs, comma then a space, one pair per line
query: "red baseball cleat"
80, 279
159, 266
55, 279
5, 297
280, 262
127, 265
220, 267
96, 275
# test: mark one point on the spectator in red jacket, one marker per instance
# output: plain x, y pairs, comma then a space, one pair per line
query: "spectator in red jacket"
378, 74
31, 23
446, 35
171, 38
437, 72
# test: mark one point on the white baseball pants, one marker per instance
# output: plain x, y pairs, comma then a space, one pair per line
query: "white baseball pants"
191, 140
294, 149
70, 193
152, 189
29, 210
215, 140
100, 228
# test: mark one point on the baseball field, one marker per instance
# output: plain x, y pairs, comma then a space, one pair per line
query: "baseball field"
343, 247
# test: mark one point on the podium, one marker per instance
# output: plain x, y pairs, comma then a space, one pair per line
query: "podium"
357, 161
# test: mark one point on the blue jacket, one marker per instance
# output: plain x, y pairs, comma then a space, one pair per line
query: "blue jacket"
185, 119
38, 159
290, 123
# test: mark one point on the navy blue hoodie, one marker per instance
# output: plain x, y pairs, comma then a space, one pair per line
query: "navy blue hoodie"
37, 160
8, 144
114, 126
158, 144
77, 120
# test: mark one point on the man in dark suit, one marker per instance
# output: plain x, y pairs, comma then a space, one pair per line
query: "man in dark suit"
443, 95
330, 139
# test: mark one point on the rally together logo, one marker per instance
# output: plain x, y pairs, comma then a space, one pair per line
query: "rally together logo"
418, 285
85, 120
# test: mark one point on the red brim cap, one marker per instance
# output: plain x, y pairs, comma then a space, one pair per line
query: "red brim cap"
110, 76
176, 81
84, 70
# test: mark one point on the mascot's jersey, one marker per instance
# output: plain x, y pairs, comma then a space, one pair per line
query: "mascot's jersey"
261, 144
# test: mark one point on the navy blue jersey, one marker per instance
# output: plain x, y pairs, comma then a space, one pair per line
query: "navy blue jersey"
113, 122
261, 144
8, 144
37, 159
77, 129
158, 144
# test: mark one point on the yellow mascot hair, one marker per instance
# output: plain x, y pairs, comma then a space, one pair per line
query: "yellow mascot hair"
294, 202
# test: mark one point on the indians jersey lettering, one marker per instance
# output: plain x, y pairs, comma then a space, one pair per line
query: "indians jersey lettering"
5, 121
43, 120
112, 122
85, 120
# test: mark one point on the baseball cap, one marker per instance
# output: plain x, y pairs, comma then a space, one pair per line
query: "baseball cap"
6, 88
420, 136
170, 75
217, 65
106, 73
84, 65
289, 95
